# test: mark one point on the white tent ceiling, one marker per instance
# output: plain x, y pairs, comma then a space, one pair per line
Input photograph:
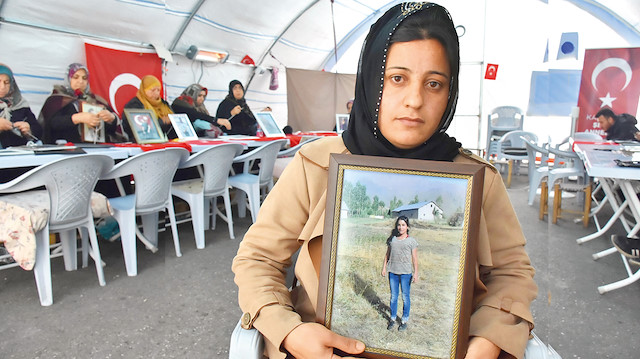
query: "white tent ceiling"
41, 37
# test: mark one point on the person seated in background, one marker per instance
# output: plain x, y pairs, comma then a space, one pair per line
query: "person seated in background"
17, 123
148, 97
235, 108
349, 105
618, 127
288, 130
62, 112
191, 103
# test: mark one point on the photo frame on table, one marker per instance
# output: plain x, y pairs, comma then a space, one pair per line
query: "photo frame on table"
268, 124
342, 121
365, 196
88, 133
183, 127
144, 125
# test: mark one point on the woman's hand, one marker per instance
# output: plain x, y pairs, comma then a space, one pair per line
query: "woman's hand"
481, 348
90, 119
224, 122
106, 116
5, 125
23, 126
236, 110
314, 341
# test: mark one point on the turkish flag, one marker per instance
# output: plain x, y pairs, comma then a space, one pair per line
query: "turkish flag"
115, 75
610, 78
492, 72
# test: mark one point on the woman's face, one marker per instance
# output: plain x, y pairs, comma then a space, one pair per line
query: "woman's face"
153, 93
79, 80
402, 227
238, 92
416, 91
5, 85
201, 96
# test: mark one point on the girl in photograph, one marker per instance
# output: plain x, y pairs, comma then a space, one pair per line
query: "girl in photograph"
405, 98
401, 262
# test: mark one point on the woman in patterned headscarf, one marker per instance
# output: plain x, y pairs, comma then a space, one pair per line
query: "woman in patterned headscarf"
405, 97
191, 103
62, 112
148, 97
17, 123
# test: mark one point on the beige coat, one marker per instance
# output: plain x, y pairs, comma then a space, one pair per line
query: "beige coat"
293, 216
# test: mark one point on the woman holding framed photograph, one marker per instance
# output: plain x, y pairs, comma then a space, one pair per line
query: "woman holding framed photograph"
63, 114
405, 98
191, 103
401, 265
148, 97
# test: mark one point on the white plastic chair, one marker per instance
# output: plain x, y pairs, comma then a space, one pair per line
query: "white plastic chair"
536, 173
200, 192
501, 120
511, 148
572, 167
250, 185
69, 183
286, 156
153, 173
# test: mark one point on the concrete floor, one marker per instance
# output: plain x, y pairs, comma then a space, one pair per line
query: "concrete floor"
186, 307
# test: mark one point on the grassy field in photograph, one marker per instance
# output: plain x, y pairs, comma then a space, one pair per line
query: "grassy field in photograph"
361, 294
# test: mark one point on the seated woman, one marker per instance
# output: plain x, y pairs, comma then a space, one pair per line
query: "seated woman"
406, 94
148, 97
17, 123
235, 108
62, 112
191, 103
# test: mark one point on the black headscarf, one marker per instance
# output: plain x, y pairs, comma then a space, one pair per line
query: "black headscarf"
363, 136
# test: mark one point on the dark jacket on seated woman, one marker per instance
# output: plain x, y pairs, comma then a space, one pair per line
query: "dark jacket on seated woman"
244, 123
14, 108
187, 103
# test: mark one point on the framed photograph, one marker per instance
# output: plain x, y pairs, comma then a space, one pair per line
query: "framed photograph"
268, 124
366, 255
88, 133
183, 127
144, 125
342, 121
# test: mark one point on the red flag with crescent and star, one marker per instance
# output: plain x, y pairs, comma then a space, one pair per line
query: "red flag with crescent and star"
610, 79
492, 72
115, 75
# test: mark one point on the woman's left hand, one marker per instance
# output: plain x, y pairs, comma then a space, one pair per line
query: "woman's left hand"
481, 348
106, 116
23, 126
224, 122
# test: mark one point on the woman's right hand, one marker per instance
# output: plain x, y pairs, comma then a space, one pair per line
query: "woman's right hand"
5, 125
90, 119
236, 110
299, 343
224, 122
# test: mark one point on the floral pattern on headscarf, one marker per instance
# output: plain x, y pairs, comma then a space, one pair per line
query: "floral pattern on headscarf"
158, 106
13, 100
362, 135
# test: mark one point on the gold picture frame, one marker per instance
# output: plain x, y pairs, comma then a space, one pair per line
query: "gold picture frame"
144, 125
365, 197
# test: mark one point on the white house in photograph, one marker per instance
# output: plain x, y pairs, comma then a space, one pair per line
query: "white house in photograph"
422, 211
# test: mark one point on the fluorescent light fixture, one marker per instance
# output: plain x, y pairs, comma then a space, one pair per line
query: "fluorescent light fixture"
194, 53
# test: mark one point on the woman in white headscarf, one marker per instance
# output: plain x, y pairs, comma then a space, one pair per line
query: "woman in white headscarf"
17, 123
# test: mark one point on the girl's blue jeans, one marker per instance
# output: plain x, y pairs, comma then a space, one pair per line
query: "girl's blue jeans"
404, 282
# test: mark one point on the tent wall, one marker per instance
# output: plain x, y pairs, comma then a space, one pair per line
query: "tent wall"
315, 97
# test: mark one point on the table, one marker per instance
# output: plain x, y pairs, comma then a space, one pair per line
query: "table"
599, 162
8, 160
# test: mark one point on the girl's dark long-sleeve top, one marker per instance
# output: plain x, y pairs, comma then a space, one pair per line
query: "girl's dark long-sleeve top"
241, 124
61, 125
8, 138
136, 103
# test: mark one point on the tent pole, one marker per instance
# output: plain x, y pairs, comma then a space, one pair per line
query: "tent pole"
184, 25
264, 54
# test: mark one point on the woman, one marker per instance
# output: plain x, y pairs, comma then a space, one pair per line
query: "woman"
401, 262
148, 97
62, 112
406, 93
235, 108
191, 103
17, 123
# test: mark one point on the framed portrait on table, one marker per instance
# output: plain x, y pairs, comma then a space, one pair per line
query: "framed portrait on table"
88, 133
144, 125
417, 214
342, 121
268, 124
183, 127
